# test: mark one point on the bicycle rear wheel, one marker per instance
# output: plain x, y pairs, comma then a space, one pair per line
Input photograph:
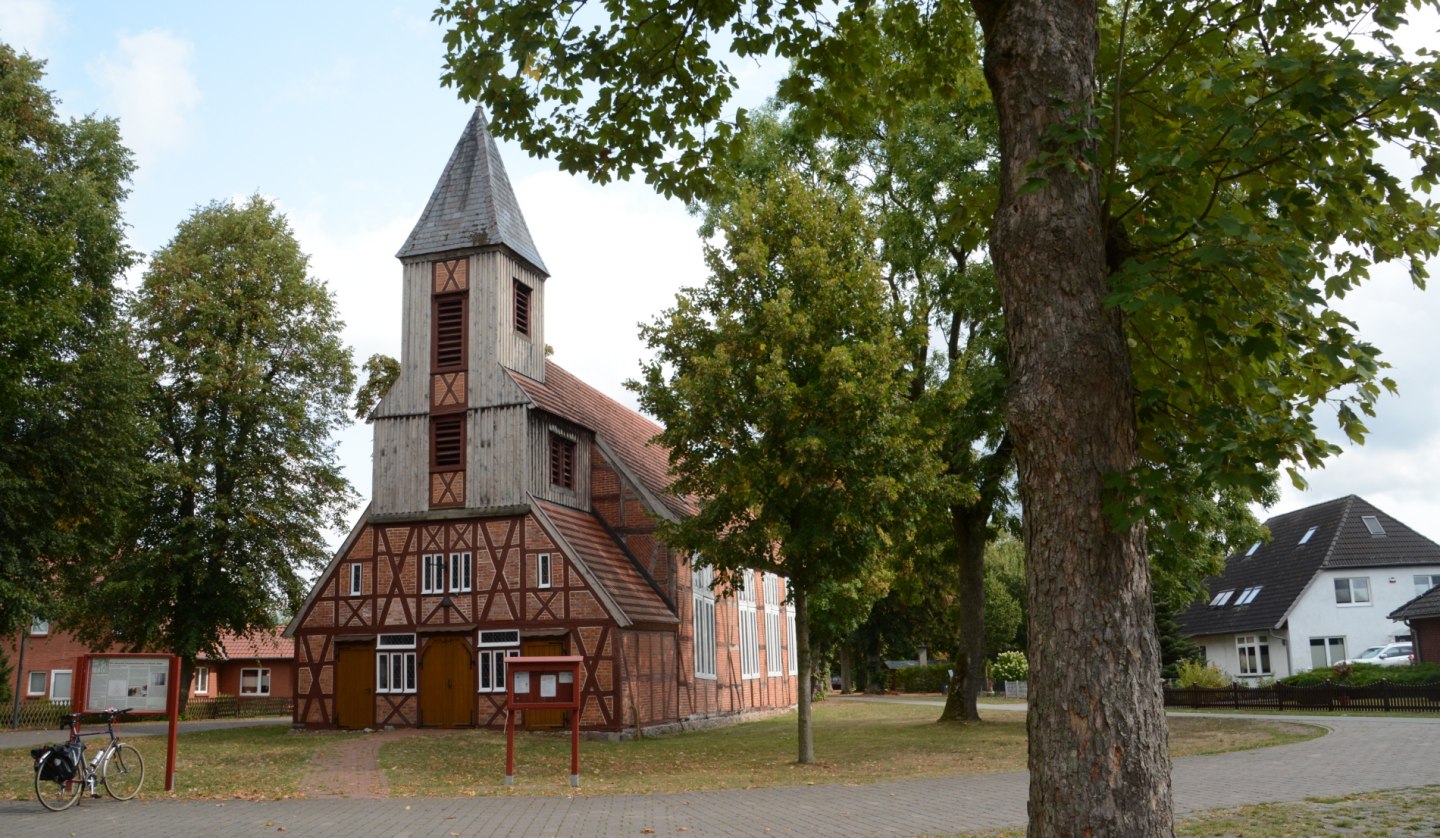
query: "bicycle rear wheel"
58, 795
123, 773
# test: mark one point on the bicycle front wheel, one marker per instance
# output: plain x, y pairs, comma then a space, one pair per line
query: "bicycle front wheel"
123, 773
58, 795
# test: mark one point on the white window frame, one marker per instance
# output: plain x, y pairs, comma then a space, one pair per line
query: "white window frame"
202, 680
774, 662
490, 671
462, 572
432, 573
703, 599
357, 579
1350, 591
543, 570
39, 627
262, 678
1434, 579
793, 647
44, 682
1372, 523
1248, 595
1253, 651
395, 673
749, 623
1328, 644
1221, 598
55, 697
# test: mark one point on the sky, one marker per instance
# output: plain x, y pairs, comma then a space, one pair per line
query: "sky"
334, 111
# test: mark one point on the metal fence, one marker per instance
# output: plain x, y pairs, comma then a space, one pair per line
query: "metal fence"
44, 714
1383, 696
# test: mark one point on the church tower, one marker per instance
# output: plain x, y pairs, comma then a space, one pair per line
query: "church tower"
473, 308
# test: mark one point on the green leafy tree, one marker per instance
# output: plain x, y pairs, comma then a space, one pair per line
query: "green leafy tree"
71, 438
251, 380
778, 386
380, 372
1183, 190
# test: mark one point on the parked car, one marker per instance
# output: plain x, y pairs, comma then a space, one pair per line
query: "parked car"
1392, 654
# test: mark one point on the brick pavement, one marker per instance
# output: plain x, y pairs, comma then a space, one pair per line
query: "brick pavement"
349, 764
1359, 754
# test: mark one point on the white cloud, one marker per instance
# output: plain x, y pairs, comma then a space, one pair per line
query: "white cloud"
28, 25
149, 83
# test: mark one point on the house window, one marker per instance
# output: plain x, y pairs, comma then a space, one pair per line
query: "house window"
36, 684
1352, 590
449, 341
542, 570
1254, 651
562, 461
255, 681
749, 628
1306, 537
1325, 652
774, 663
357, 579
1248, 595
1221, 598
395, 670
447, 442
1253, 548
704, 600
492, 669
39, 627
60, 686
1372, 523
432, 573
794, 642
522, 307
202, 680
461, 570
1424, 582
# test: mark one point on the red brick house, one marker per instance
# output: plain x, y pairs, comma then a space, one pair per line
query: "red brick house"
1422, 614
514, 512
249, 667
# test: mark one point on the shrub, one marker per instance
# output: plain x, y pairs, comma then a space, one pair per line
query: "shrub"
1010, 666
1194, 673
1365, 674
931, 678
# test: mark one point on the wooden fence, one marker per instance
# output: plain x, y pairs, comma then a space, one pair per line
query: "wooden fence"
1384, 696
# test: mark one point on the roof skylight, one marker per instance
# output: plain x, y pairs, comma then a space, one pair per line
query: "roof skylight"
1221, 598
1306, 537
1253, 548
1372, 523
1248, 595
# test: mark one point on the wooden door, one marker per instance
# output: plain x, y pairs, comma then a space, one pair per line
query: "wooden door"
447, 683
543, 647
355, 686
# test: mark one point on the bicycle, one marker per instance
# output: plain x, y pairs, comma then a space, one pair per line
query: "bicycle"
118, 766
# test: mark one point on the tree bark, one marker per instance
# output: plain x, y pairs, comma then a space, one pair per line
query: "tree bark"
805, 672
1098, 759
969, 525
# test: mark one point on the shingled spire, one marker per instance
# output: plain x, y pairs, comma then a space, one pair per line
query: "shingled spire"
472, 205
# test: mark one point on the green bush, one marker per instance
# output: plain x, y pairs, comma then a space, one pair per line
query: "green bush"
1193, 673
1009, 666
931, 678
1365, 674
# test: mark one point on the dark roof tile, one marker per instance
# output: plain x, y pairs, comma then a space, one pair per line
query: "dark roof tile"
621, 578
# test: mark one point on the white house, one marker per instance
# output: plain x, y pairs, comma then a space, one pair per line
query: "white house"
1319, 591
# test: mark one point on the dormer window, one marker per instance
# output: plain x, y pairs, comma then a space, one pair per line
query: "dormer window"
522, 307
1221, 598
1248, 595
1306, 537
1372, 523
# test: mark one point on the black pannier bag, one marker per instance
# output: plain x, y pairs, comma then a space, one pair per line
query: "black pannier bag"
56, 762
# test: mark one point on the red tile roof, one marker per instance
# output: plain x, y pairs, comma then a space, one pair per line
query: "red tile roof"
621, 578
628, 433
261, 644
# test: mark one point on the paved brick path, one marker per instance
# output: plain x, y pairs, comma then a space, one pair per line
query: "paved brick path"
1359, 754
349, 765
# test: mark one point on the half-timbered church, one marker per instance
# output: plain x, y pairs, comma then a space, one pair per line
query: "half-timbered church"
514, 512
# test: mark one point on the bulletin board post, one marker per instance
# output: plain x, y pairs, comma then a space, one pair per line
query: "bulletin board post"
543, 683
149, 685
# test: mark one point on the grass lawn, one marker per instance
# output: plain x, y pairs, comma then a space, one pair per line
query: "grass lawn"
1386, 814
855, 742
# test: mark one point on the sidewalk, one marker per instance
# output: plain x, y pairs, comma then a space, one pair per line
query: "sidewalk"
32, 737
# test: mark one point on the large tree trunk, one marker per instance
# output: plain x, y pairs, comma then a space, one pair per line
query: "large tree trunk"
968, 524
1098, 759
805, 672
